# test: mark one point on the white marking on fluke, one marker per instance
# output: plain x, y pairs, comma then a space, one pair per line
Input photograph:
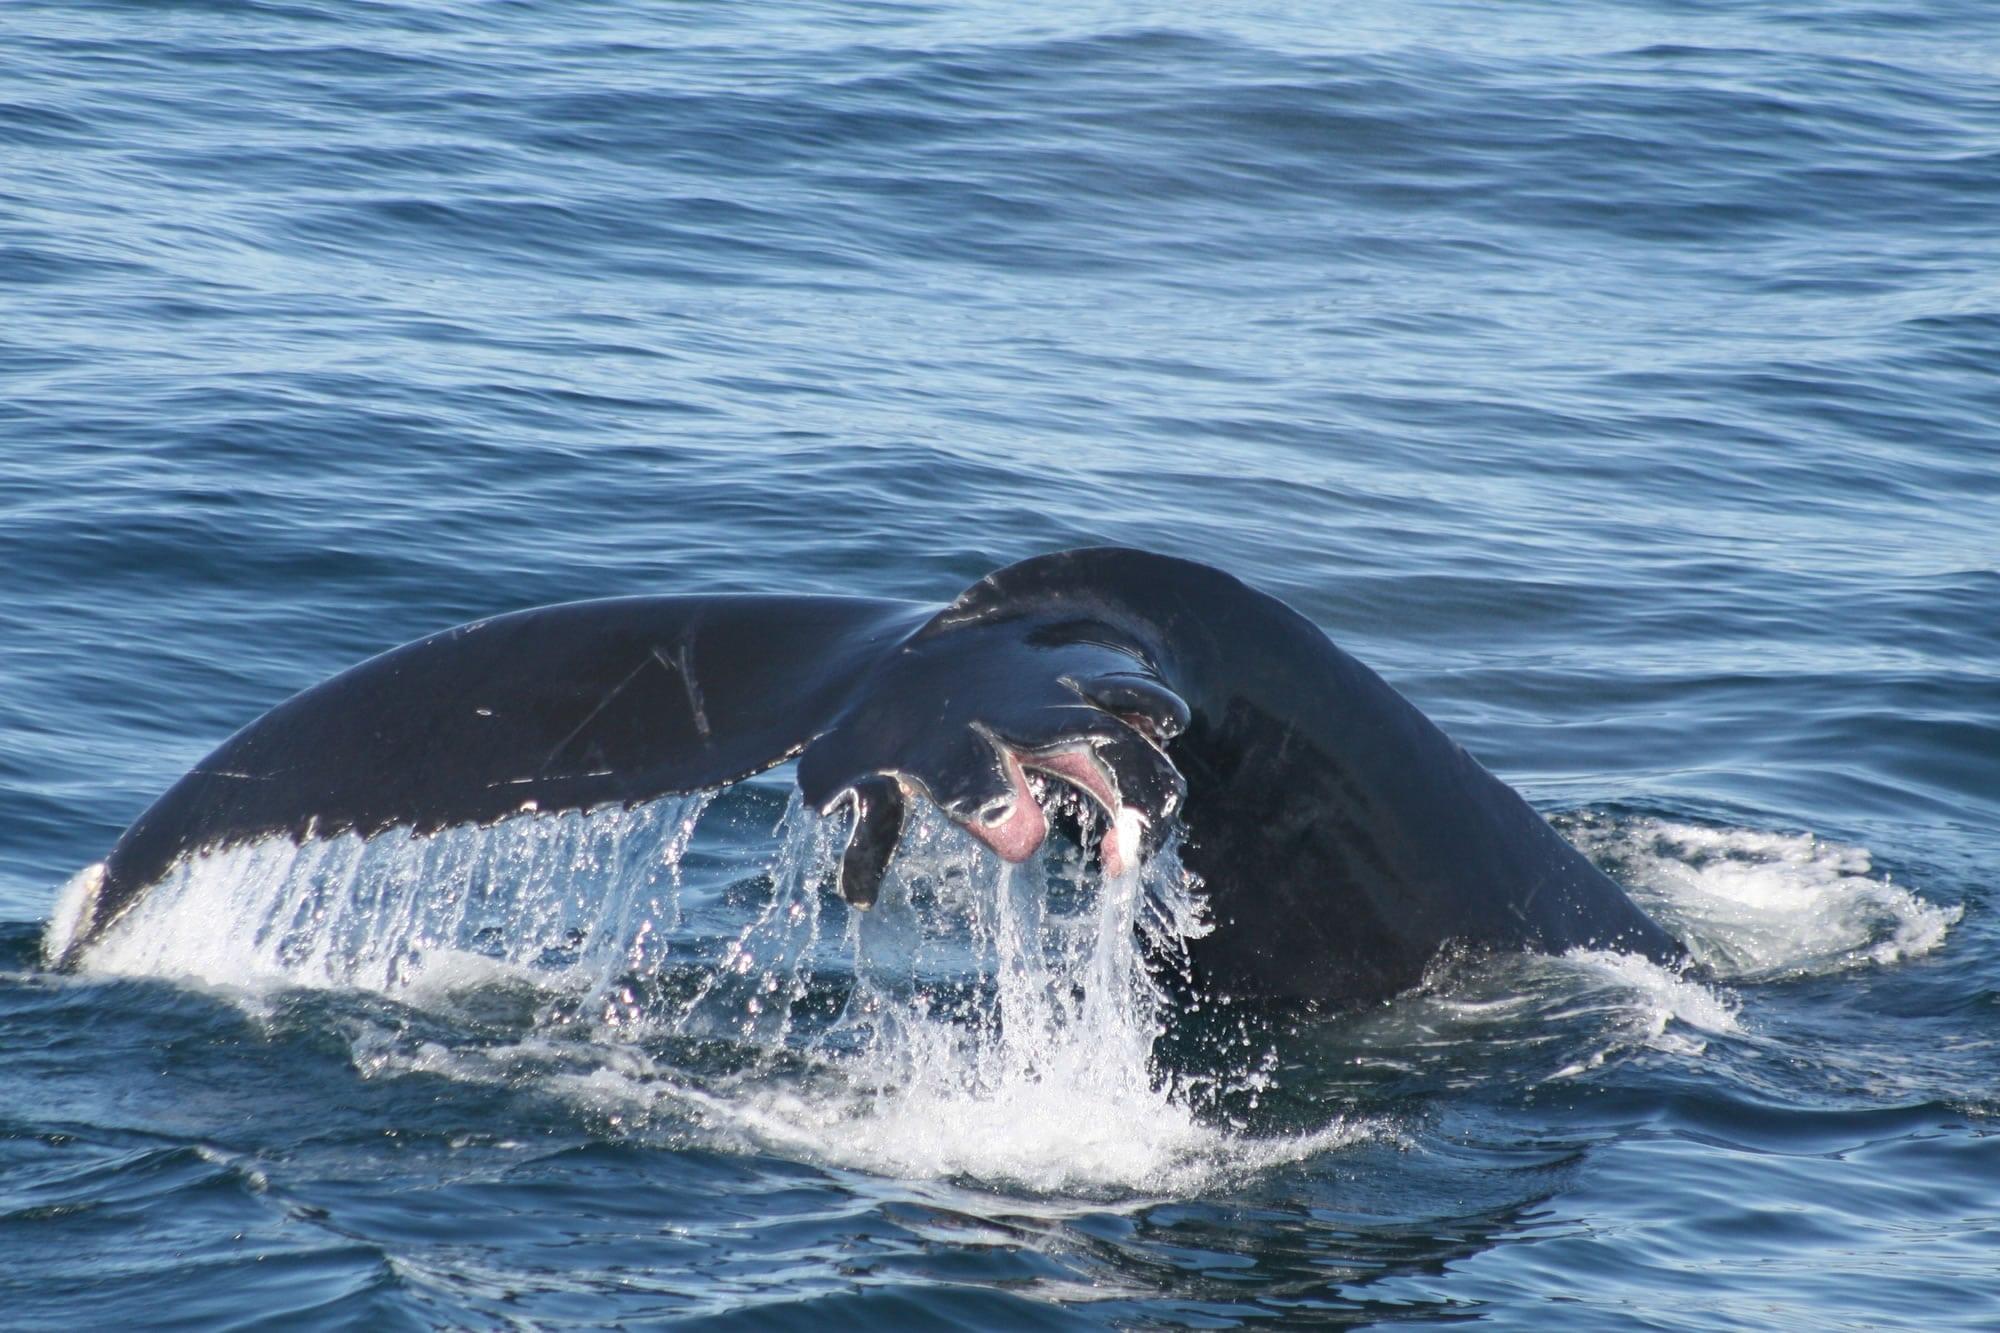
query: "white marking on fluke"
75, 910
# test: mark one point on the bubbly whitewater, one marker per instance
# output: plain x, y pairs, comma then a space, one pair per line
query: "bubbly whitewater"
1764, 905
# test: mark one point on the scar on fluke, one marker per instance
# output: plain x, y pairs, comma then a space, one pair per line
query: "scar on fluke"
679, 663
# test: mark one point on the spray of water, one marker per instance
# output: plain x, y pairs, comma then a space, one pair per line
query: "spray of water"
1002, 1025
984, 1020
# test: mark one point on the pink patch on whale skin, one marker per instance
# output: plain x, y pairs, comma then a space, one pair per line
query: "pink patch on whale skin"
1016, 837
1079, 767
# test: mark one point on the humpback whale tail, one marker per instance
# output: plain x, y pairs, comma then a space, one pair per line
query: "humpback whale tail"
1341, 837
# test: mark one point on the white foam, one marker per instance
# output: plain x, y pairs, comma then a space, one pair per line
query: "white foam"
1050, 1134
1754, 905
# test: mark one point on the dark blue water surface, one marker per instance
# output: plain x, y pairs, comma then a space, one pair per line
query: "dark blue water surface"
1622, 381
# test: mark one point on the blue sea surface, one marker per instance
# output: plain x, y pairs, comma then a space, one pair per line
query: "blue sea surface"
1621, 381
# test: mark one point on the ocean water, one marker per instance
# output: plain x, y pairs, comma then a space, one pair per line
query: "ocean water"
1621, 381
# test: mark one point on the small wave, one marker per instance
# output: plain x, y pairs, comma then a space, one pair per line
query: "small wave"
1755, 905
1482, 1019
1655, 1007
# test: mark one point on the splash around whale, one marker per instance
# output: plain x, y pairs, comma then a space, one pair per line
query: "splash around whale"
1341, 838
